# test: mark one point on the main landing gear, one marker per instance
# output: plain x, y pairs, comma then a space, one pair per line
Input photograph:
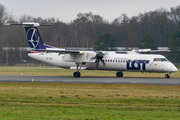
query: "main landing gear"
77, 73
119, 74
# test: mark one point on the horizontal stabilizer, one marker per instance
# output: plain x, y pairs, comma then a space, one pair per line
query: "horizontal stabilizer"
30, 24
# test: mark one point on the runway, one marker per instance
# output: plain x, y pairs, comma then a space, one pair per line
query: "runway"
99, 80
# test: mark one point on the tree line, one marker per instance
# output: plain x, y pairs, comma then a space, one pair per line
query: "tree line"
85, 30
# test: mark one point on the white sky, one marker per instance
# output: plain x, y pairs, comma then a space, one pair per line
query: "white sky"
67, 10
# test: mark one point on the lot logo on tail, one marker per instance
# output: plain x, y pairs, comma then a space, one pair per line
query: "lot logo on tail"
33, 38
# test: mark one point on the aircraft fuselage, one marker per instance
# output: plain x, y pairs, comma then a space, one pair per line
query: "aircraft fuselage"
113, 61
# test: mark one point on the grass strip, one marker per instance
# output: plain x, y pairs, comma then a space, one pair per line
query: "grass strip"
88, 101
53, 71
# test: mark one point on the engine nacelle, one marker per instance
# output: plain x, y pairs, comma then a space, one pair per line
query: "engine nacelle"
79, 58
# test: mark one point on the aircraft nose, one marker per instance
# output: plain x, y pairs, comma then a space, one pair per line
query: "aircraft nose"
173, 68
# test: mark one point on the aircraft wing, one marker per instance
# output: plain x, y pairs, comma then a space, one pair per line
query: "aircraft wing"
149, 51
59, 51
159, 50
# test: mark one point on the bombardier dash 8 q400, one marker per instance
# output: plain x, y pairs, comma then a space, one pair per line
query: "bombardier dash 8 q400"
90, 60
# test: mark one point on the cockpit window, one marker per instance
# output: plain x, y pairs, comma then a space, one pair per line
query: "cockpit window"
160, 59
163, 59
156, 59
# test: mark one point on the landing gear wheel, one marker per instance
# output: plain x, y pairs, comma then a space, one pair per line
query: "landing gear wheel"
77, 74
119, 74
167, 76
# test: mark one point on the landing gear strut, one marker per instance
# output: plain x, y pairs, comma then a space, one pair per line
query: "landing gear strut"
119, 74
77, 73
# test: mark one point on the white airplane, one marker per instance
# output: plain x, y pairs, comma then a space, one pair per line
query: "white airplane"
90, 60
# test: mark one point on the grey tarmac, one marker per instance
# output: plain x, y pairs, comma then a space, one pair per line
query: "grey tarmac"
90, 79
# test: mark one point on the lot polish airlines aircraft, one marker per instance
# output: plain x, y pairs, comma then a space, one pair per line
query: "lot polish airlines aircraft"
90, 60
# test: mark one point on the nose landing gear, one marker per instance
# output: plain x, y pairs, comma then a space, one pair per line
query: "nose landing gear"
167, 75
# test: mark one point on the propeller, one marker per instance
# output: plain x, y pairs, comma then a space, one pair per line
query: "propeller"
98, 57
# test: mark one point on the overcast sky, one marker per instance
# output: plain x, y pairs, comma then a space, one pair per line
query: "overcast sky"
67, 10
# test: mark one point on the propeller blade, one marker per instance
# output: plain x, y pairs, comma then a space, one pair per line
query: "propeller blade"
93, 58
97, 63
104, 64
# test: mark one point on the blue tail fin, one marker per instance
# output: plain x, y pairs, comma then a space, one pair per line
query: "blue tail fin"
34, 38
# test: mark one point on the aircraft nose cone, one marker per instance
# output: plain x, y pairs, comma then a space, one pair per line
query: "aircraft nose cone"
173, 68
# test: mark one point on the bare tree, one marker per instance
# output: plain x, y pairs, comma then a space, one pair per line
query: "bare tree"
3, 18
175, 15
26, 18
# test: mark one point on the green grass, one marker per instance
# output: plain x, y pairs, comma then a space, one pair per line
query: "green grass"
66, 72
88, 101
64, 101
